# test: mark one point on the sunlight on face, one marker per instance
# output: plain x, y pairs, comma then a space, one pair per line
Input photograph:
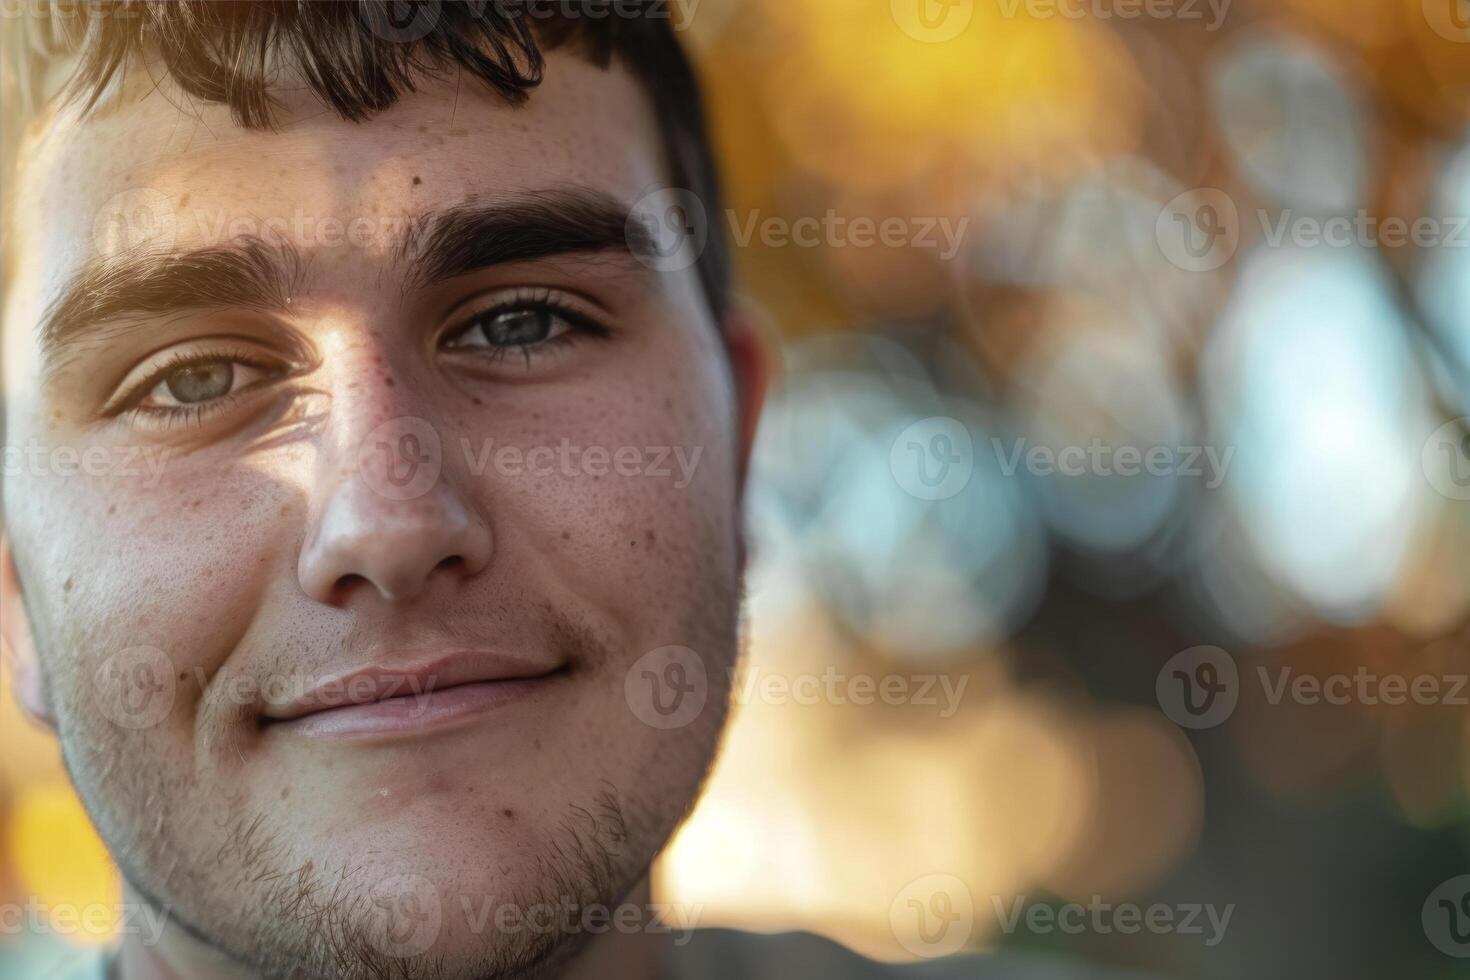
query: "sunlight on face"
379, 513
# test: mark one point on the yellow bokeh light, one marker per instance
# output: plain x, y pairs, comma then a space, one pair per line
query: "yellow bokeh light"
62, 865
863, 103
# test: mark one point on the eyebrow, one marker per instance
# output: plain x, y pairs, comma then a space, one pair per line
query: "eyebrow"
251, 273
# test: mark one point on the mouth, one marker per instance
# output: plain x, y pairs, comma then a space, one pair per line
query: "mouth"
387, 701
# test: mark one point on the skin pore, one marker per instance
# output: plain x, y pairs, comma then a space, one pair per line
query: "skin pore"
275, 548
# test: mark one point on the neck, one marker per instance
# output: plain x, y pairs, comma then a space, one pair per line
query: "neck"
175, 954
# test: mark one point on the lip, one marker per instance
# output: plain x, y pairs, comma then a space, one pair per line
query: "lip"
387, 699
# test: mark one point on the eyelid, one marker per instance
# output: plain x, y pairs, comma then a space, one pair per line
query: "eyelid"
147, 375
582, 312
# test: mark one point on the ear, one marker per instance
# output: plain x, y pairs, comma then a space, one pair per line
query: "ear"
750, 343
16, 645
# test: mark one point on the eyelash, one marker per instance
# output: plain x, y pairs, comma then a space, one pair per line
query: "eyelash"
583, 325
130, 403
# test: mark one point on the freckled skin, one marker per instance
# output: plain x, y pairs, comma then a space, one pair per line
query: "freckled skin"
258, 553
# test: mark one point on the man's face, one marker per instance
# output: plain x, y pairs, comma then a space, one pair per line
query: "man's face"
362, 464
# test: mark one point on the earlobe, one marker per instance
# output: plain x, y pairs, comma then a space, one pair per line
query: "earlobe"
16, 645
751, 343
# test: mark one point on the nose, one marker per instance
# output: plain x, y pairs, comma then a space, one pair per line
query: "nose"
375, 529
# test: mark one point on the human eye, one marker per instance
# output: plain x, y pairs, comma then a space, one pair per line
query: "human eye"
531, 323
191, 384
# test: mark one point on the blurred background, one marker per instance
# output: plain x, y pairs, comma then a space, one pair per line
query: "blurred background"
1125, 347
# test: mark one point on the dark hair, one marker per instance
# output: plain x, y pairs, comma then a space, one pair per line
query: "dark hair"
361, 56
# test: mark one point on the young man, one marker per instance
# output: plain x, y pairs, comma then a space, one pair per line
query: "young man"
376, 551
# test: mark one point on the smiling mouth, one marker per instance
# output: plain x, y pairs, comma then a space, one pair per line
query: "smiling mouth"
409, 710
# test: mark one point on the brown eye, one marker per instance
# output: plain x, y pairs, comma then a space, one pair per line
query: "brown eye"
200, 382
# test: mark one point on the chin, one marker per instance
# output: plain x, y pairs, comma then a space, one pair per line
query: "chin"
453, 876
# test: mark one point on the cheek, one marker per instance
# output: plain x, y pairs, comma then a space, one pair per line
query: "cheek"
145, 578
636, 509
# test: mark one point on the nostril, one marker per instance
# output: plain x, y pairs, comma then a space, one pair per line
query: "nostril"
360, 546
349, 583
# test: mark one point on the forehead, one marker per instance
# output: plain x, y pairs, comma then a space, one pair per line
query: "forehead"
157, 163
